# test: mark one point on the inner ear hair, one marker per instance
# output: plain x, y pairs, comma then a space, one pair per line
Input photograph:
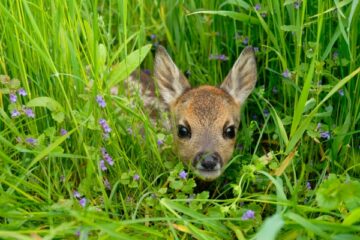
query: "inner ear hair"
241, 79
170, 81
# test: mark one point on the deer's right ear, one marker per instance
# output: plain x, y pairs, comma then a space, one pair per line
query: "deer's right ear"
241, 79
171, 82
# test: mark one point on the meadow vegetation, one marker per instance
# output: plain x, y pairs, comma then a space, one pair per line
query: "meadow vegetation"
80, 158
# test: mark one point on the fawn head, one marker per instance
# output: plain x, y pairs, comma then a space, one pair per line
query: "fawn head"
205, 119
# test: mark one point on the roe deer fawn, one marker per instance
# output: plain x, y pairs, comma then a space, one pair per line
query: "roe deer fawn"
205, 119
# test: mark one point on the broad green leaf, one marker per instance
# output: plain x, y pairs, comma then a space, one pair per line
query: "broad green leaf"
239, 3
329, 193
123, 69
299, 108
271, 227
289, 28
47, 102
310, 104
353, 217
58, 116
354, 5
278, 184
57, 111
280, 125
101, 55
176, 185
234, 15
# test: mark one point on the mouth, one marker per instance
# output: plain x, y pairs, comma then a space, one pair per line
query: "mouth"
208, 175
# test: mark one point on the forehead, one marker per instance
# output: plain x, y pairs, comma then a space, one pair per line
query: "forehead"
206, 104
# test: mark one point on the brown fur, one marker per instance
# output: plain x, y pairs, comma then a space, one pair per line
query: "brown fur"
207, 111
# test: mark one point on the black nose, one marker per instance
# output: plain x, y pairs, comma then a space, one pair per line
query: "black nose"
208, 160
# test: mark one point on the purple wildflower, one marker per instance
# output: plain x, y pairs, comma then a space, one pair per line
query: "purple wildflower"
102, 165
136, 177
63, 132
286, 74
147, 71
29, 112
107, 184
257, 7
220, 57
129, 130
76, 194
335, 54
107, 157
82, 202
22, 92
183, 174
105, 125
160, 142
341, 92
266, 112
15, 113
249, 214
325, 135
31, 140
100, 100
245, 40
153, 36
256, 49
13, 98
308, 185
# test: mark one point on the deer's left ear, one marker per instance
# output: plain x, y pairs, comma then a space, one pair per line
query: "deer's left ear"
241, 79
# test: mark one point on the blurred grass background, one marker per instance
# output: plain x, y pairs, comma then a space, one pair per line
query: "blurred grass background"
300, 124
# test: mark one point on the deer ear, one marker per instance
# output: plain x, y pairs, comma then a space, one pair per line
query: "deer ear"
170, 81
241, 79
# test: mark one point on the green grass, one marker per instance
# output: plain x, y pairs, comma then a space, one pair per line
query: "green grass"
65, 53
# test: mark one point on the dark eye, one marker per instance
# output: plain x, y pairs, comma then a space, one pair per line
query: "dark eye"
184, 132
229, 132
